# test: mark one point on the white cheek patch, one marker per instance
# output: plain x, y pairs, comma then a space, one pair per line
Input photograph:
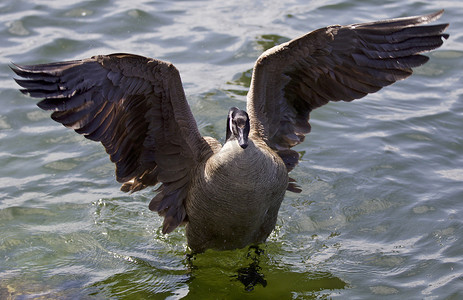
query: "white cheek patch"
230, 123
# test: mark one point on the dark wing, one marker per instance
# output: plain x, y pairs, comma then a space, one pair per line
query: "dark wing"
136, 107
331, 64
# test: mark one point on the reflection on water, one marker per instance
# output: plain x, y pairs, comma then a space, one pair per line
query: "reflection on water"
242, 80
268, 41
240, 84
254, 270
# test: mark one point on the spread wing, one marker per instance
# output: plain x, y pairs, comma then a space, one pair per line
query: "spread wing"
331, 64
134, 106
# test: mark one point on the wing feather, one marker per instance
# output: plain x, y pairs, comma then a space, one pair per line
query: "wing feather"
332, 64
134, 106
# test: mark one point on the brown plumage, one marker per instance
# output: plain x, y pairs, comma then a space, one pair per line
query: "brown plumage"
228, 196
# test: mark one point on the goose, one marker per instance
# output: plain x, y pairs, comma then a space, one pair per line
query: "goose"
228, 196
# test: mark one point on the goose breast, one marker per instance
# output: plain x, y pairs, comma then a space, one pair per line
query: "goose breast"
236, 196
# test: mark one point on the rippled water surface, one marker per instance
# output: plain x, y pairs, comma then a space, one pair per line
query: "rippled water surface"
382, 206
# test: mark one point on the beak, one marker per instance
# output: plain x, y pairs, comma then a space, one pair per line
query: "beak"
242, 138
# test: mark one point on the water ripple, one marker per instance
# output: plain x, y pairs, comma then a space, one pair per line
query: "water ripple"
380, 212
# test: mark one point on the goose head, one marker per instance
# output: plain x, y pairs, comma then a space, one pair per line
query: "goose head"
238, 126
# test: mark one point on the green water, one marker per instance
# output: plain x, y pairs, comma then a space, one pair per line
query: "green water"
381, 211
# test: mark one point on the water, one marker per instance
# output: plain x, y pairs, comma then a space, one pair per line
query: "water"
380, 214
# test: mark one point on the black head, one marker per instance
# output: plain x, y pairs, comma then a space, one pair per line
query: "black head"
238, 126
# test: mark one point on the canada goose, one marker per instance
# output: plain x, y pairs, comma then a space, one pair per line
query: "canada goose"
228, 196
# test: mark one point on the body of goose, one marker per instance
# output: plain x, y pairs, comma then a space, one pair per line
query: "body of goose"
228, 196
228, 205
